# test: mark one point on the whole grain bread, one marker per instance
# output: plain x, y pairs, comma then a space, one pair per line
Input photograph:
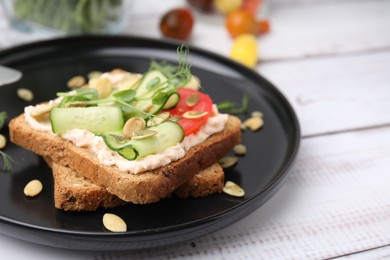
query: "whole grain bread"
149, 186
74, 192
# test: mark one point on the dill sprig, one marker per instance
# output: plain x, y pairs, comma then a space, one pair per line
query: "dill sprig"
7, 160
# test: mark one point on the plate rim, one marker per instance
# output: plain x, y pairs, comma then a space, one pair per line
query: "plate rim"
271, 186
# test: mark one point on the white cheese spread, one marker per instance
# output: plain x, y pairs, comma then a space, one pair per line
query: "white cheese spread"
106, 156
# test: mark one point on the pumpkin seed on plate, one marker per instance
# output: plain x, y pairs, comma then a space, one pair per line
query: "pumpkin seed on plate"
239, 149
227, 162
94, 74
254, 123
233, 189
76, 82
194, 114
25, 94
114, 223
33, 188
133, 124
3, 141
257, 114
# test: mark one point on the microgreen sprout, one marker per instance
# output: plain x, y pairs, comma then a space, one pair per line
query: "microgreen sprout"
7, 160
231, 107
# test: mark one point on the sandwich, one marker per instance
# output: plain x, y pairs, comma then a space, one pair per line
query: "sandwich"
74, 192
136, 138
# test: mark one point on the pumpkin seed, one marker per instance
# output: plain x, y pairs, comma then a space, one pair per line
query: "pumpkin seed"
194, 114
94, 74
254, 123
33, 188
227, 162
41, 110
257, 114
103, 87
141, 134
76, 82
129, 81
158, 119
25, 94
233, 189
114, 223
239, 149
3, 141
133, 124
192, 100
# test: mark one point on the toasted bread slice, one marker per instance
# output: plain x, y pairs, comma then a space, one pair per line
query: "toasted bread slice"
73, 192
149, 186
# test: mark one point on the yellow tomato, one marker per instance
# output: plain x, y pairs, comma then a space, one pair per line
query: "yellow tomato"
228, 6
244, 50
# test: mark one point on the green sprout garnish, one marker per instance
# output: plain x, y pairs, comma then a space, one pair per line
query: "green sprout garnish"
231, 107
7, 160
177, 76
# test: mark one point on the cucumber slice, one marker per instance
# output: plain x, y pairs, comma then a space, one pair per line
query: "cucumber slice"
169, 133
98, 120
151, 82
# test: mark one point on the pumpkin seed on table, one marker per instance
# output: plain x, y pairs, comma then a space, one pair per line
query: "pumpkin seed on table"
233, 189
3, 141
33, 188
114, 223
227, 162
133, 124
25, 94
76, 82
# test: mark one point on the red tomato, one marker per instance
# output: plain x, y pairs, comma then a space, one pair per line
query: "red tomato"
177, 24
205, 104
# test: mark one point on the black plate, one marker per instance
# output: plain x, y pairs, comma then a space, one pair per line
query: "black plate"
48, 65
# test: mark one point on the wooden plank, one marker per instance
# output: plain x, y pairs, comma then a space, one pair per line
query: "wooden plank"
337, 93
336, 202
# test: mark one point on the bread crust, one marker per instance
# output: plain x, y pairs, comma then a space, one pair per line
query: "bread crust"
149, 186
73, 192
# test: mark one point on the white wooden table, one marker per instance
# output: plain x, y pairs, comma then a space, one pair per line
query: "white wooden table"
332, 61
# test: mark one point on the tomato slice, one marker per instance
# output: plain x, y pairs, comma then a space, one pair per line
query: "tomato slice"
205, 104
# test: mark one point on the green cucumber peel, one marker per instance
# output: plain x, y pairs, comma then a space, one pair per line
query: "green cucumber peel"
169, 133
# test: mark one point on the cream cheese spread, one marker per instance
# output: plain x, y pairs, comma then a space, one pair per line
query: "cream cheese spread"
86, 139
